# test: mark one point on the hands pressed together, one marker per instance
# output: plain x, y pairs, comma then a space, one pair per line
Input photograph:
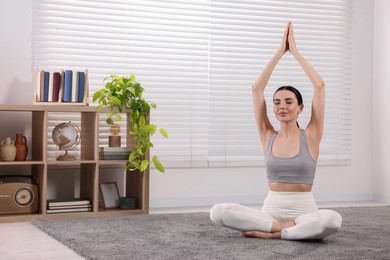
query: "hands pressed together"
288, 42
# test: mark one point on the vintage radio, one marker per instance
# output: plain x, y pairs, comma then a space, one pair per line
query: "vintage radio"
18, 194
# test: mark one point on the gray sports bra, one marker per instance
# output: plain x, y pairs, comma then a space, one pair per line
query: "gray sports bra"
297, 169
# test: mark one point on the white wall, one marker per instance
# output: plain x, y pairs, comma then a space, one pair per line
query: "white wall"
15, 49
15, 64
189, 187
381, 95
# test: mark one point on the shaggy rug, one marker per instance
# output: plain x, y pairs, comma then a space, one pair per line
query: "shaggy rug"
365, 234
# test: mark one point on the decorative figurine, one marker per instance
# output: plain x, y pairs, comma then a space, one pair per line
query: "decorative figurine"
114, 140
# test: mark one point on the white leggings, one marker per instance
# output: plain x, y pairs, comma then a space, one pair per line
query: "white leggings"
311, 223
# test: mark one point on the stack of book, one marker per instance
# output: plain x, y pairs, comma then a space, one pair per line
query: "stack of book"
114, 153
69, 205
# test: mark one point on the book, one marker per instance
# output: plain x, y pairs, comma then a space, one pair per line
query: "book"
67, 88
70, 207
75, 83
46, 80
56, 86
41, 85
50, 95
107, 150
67, 202
114, 153
50, 211
80, 96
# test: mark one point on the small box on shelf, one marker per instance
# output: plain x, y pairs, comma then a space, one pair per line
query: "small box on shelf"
64, 87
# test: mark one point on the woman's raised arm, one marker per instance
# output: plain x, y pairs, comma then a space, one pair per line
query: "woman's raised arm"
264, 126
315, 127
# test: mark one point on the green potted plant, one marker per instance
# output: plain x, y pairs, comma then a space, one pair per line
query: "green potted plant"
123, 94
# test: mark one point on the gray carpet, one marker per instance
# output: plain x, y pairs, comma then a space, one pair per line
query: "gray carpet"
365, 234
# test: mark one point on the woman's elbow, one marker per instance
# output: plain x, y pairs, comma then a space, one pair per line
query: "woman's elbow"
320, 84
256, 89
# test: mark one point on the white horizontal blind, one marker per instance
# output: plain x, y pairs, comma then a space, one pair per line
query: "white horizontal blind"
197, 61
244, 36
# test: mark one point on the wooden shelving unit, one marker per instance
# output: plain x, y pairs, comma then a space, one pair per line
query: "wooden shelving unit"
89, 165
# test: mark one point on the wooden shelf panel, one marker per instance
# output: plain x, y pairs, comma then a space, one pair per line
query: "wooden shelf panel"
16, 163
51, 108
76, 162
120, 212
60, 103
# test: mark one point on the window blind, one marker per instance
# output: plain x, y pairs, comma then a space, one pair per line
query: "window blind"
197, 62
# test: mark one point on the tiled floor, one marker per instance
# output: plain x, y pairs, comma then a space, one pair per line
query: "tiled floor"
21, 240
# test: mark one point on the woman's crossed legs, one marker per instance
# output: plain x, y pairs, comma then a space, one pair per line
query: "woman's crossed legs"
259, 223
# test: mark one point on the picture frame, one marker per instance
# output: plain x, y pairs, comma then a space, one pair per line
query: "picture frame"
110, 194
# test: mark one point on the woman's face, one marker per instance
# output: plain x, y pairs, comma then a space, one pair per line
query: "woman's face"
286, 106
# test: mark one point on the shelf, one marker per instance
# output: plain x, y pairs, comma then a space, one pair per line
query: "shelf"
28, 162
87, 169
76, 162
81, 104
120, 212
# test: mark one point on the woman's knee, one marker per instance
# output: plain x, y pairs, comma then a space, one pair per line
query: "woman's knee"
219, 212
314, 226
216, 212
331, 220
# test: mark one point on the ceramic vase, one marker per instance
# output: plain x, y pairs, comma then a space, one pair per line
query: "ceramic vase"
7, 150
21, 147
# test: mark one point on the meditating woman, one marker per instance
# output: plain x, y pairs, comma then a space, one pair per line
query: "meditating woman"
289, 211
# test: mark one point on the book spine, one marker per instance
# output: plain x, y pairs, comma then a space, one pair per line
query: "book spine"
81, 87
68, 203
56, 86
46, 86
67, 86
68, 210
70, 207
50, 95
75, 81
41, 85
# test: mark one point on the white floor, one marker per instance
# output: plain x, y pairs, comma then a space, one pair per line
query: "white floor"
21, 240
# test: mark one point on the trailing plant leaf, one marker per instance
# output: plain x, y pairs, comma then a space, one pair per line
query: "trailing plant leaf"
115, 100
97, 96
157, 163
163, 132
131, 156
121, 93
142, 120
109, 121
143, 165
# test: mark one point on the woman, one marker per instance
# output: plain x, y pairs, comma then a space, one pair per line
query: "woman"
289, 211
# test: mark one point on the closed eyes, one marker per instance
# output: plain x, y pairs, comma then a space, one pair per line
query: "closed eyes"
287, 100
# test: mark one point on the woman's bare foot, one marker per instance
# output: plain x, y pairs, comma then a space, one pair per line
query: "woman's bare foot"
259, 234
288, 223
275, 233
279, 226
